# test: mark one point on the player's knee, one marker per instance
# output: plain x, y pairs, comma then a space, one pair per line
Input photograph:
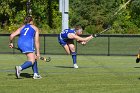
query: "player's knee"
72, 47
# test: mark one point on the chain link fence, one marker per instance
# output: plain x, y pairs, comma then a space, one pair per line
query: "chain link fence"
103, 45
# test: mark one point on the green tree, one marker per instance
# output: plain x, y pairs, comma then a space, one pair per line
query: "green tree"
12, 14
135, 12
96, 14
92, 15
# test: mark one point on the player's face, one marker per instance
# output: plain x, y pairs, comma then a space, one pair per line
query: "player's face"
79, 32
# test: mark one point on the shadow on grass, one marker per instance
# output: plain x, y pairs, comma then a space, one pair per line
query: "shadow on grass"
139, 78
63, 66
26, 75
136, 67
79, 67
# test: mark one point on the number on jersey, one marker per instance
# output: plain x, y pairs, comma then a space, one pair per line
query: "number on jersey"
26, 30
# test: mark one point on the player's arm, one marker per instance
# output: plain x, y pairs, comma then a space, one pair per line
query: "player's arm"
37, 43
78, 38
13, 35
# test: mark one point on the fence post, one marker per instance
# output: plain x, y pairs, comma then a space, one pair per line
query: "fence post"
14, 44
108, 45
44, 44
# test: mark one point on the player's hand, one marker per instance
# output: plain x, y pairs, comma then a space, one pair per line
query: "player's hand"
37, 56
11, 45
83, 43
91, 36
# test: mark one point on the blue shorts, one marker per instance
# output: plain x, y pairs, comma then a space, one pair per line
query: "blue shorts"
26, 50
61, 41
26, 46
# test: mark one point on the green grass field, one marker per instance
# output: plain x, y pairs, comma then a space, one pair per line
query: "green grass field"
96, 74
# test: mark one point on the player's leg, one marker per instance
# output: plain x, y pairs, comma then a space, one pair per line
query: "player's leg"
31, 60
66, 48
35, 71
26, 64
63, 43
69, 48
73, 53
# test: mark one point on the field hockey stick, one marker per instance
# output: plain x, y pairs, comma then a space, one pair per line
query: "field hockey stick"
98, 34
45, 59
41, 58
16, 48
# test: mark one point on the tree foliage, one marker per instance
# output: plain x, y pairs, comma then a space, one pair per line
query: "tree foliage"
95, 15
92, 15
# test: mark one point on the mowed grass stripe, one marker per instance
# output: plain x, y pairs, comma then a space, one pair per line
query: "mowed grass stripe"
96, 74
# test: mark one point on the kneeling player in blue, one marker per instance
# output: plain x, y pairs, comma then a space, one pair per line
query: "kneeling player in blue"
28, 41
66, 39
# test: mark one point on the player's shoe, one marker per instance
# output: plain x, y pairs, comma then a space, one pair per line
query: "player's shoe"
36, 76
138, 58
18, 71
75, 66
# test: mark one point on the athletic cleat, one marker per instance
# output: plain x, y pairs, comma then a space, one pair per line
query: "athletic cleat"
137, 60
37, 77
75, 66
18, 71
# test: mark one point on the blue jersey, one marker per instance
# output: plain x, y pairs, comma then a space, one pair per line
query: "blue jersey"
26, 39
63, 36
